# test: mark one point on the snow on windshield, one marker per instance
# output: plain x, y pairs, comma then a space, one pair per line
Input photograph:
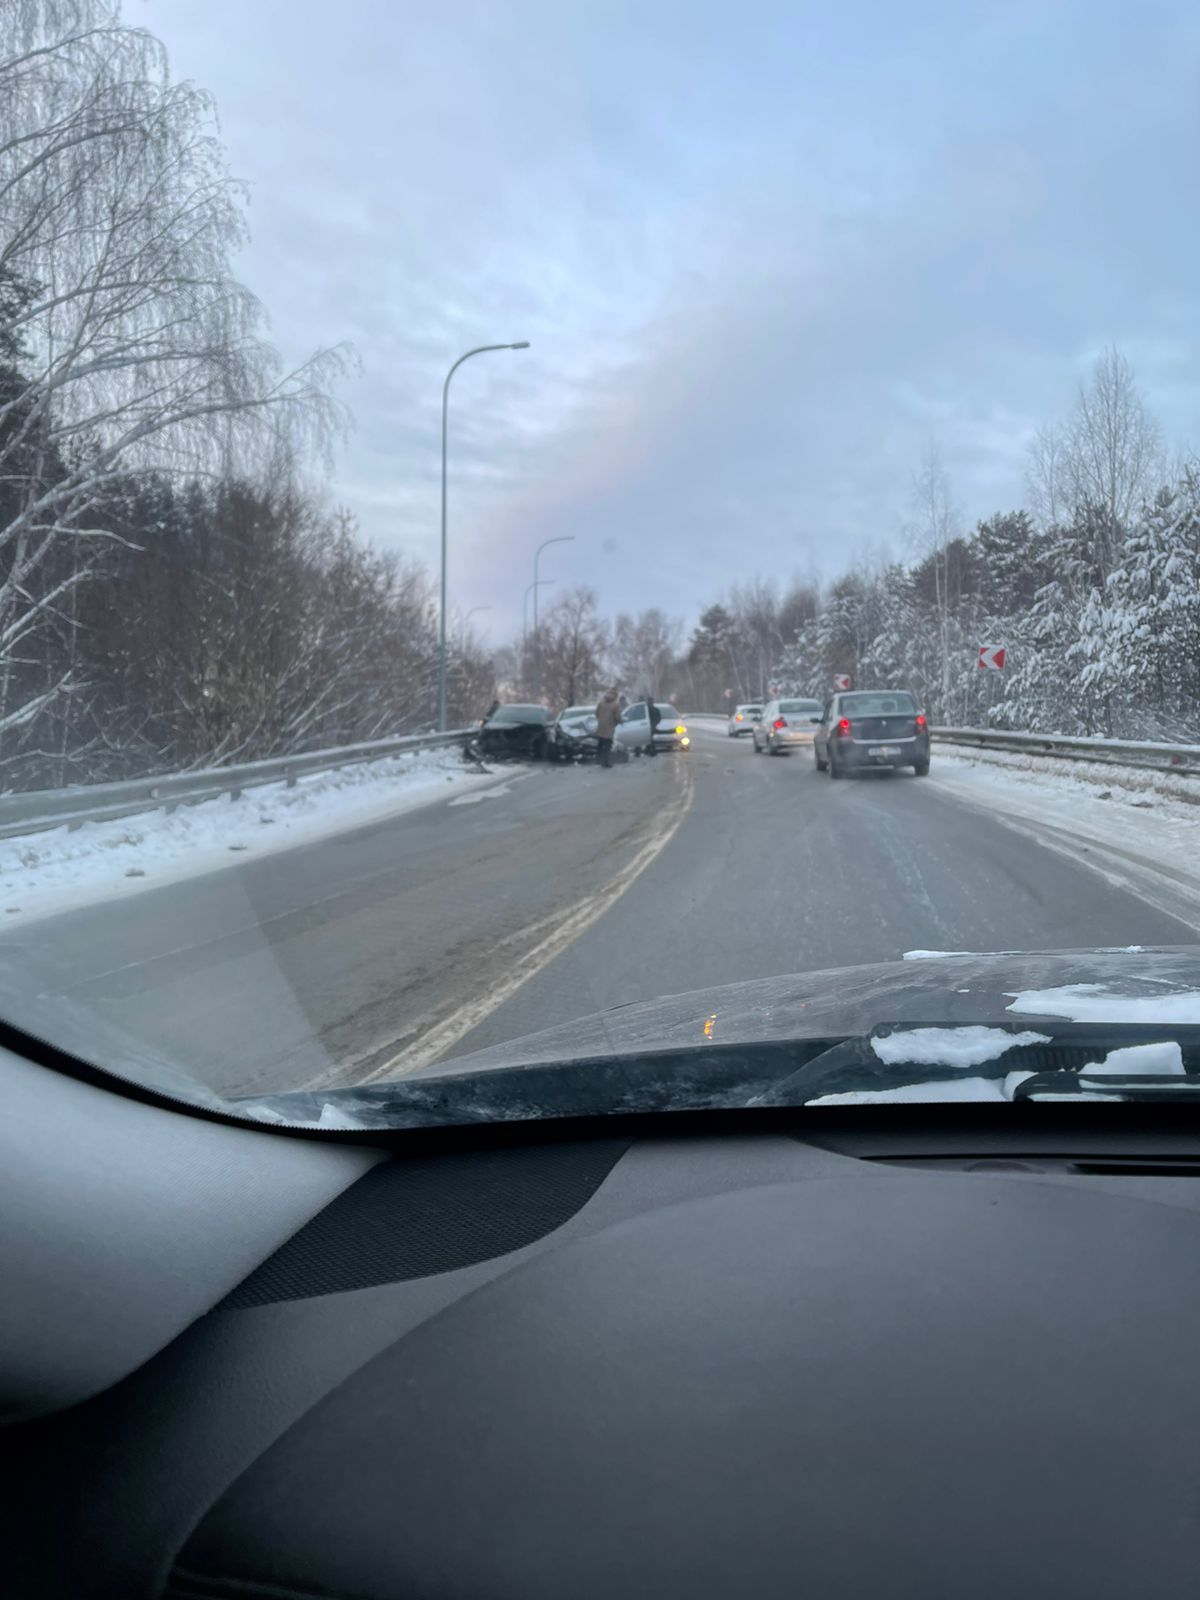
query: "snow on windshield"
951, 1047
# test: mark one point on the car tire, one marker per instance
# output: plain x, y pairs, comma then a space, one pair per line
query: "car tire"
835, 770
921, 769
538, 748
820, 764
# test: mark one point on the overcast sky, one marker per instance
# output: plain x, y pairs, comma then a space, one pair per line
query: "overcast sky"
764, 253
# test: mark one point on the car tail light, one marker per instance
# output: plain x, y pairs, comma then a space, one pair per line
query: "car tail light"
738, 718
779, 723
920, 719
843, 728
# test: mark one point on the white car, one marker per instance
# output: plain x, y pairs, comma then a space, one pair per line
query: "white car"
633, 730
743, 718
786, 725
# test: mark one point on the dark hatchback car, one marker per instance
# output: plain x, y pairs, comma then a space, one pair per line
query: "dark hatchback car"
521, 732
872, 728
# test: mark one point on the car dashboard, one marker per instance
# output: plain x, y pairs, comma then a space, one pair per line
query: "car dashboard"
710, 1356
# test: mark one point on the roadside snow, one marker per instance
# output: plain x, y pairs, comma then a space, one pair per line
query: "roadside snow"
44, 873
1092, 1002
1139, 829
951, 1047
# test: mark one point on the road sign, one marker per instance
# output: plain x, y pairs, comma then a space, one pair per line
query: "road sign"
841, 680
991, 657
729, 694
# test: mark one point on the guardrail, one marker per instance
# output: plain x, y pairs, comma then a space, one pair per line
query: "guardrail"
1178, 758
98, 802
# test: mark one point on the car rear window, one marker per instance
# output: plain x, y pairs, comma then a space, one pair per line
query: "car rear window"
810, 708
900, 703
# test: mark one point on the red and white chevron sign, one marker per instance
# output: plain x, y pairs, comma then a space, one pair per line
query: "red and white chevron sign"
991, 657
841, 680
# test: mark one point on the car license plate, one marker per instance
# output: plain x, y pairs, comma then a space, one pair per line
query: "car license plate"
883, 750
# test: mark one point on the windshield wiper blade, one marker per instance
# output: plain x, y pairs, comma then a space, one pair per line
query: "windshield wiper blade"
1110, 1085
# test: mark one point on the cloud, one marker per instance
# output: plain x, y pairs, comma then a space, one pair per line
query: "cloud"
762, 256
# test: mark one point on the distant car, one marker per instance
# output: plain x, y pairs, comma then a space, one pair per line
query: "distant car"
633, 730
785, 725
522, 732
743, 718
872, 728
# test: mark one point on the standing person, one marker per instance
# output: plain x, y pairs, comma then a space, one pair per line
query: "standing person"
607, 714
655, 716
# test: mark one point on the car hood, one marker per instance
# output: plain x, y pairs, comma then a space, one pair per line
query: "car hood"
937, 987
732, 1045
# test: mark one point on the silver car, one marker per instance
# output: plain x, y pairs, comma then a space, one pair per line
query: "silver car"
742, 720
633, 730
786, 725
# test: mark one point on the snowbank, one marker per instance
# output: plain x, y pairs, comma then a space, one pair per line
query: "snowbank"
43, 873
1141, 829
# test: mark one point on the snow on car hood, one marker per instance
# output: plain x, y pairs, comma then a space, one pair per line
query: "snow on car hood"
1125, 985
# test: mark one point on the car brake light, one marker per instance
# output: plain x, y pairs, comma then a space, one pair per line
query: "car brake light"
920, 719
738, 718
779, 723
843, 728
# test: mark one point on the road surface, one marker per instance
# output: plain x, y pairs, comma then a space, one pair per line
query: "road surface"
554, 894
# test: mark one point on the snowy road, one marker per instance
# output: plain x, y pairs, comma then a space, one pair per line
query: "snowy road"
494, 912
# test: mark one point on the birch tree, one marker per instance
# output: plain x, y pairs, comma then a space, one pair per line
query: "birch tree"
126, 342
1113, 456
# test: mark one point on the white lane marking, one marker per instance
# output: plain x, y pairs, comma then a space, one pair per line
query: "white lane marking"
566, 927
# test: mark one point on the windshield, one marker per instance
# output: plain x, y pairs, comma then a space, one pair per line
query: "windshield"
373, 383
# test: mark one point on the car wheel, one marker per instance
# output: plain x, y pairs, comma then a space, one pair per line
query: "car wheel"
817, 759
537, 748
834, 770
921, 769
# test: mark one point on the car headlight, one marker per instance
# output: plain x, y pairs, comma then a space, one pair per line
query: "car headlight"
685, 741
681, 728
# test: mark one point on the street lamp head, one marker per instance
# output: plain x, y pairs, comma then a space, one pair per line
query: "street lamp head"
522, 344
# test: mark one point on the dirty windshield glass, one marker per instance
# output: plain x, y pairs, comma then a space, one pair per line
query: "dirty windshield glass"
377, 383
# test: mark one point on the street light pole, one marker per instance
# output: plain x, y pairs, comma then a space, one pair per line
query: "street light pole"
479, 350
538, 583
563, 538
